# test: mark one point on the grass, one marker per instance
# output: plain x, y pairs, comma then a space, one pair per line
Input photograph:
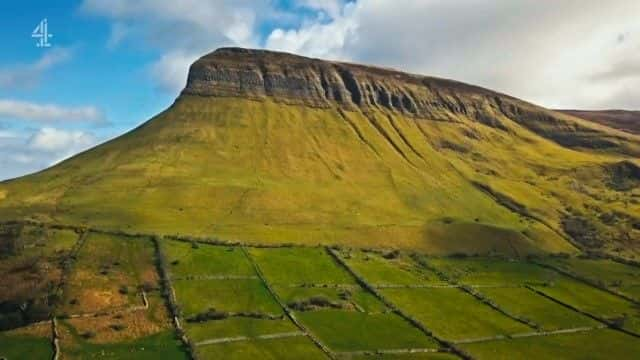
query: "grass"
594, 301
35, 270
378, 270
162, 345
597, 344
32, 342
410, 356
196, 296
293, 348
631, 290
186, 260
452, 314
487, 271
233, 327
312, 266
125, 326
357, 296
604, 271
269, 173
355, 331
548, 314
105, 266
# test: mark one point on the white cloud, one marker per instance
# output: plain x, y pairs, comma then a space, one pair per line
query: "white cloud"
118, 32
26, 75
317, 39
15, 109
183, 30
55, 140
547, 54
170, 72
332, 8
571, 54
24, 152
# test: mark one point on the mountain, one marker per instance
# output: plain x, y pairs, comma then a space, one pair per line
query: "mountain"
618, 119
271, 148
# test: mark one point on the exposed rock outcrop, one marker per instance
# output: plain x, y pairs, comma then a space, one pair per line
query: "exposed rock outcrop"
293, 79
301, 80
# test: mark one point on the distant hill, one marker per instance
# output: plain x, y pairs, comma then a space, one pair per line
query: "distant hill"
618, 119
272, 148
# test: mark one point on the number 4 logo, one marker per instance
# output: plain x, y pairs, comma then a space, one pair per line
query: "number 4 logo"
41, 32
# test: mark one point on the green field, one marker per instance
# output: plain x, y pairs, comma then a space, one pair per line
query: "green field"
237, 326
632, 290
325, 298
355, 331
410, 356
604, 272
400, 270
598, 344
294, 348
163, 345
595, 302
352, 296
546, 313
185, 259
453, 314
487, 271
20, 347
197, 296
298, 266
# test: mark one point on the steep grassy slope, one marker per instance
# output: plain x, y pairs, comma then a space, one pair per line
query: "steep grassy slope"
450, 177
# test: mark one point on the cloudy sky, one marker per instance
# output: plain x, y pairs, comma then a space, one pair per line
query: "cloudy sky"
113, 64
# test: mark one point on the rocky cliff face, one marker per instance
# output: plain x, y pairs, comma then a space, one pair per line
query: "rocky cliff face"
293, 79
301, 80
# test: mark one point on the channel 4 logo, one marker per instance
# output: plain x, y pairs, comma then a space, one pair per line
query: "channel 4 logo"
41, 32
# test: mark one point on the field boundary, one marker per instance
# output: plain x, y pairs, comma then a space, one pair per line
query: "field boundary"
487, 301
284, 307
585, 313
169, 295
587, 281
417, 324
247, 338
70, 261
390, 351
213, 277
55, 341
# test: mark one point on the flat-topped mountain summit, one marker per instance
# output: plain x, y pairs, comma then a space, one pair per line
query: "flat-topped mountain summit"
301, 80
271, 148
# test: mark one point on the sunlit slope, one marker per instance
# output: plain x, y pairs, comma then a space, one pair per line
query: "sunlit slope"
266, 172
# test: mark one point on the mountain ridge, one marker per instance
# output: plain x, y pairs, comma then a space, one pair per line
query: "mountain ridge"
625, 120
283, 161
299, 80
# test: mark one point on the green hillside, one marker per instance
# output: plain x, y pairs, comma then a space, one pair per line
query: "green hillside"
257, 169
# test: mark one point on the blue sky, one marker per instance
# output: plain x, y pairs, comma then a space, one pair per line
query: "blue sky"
113, 64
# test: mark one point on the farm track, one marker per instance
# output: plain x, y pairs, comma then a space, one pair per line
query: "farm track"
215, 277
528, 335
389, 352
246, 338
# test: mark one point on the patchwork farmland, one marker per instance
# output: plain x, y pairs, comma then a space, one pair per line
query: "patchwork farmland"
135, 296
